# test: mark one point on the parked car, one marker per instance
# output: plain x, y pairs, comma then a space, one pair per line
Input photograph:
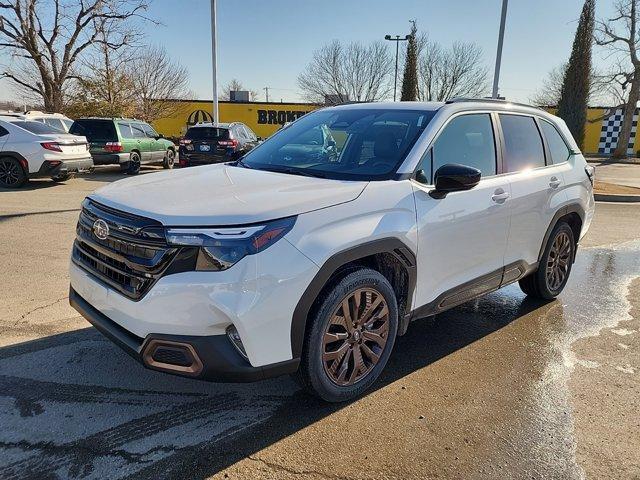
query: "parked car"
216, 142
31, 149
283, 264
55, 120
126, 142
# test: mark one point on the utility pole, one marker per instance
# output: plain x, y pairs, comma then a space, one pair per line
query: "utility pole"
214, 58
266, 93
496, 74
397, 39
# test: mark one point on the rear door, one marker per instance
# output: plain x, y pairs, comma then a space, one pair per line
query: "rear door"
462, 237
536, 185
128, 139
142, 139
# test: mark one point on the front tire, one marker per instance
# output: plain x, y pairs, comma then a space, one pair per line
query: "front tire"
169, 159
555, 265
12, 175
350, 338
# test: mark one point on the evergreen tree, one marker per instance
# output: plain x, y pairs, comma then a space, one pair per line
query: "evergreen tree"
410, 76
574, 96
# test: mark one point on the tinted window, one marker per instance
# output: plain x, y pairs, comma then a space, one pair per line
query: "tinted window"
37, 127
558, 149
523, 144
95, 130
3, 132
207, 133
125, 130
467, 140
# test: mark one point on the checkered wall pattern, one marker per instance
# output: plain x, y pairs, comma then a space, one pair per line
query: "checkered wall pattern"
611, 128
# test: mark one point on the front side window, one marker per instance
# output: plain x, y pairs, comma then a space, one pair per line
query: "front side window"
149, 131
350, 144
557, 147
466, 140
523, 144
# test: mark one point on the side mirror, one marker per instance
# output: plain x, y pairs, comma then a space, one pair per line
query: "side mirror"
453, 177
259, 139
159, 136
331, 144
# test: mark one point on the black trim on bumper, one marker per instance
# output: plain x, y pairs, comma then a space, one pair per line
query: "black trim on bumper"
221, 361
63, 168
109, 158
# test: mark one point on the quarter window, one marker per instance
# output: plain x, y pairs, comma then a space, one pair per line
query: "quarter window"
523, 144
467, 140
3, 132
557, 147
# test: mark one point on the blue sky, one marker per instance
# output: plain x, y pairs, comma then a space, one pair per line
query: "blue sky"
268, 42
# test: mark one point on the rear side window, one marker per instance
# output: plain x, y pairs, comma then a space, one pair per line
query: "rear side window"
207, 133
523, 144
36, 127
557, 147
3, 132
125, 130
95, 130
467, 140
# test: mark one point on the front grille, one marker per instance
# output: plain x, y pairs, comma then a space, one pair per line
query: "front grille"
131, 258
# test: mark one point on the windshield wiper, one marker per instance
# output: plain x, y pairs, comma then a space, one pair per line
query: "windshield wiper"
240, 163
295, 171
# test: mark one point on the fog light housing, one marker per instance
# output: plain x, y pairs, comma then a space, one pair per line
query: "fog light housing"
235, 339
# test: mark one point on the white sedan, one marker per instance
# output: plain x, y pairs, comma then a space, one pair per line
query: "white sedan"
31, 149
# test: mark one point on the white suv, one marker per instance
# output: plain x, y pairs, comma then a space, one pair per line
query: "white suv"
30, 149
310, 259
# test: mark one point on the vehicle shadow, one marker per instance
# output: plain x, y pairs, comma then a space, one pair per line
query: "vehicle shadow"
73, 404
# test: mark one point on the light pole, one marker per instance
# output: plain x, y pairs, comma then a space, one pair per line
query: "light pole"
214, 59
396, 39
496, 73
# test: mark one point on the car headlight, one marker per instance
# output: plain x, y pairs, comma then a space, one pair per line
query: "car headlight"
220, 248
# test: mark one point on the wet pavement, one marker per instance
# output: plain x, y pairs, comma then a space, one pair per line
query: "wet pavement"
501, 387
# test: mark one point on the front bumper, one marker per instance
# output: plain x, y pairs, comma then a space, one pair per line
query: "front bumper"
211, 358
47, 169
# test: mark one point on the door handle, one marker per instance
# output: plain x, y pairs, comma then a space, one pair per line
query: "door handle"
500, 196
554, 182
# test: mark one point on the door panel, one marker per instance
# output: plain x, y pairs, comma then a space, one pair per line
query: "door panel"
143, 141
461, 237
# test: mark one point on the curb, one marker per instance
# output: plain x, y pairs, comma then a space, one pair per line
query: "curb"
612, 197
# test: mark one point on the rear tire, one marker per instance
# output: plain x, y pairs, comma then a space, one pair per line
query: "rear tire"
169, 159
12, 175
337, 363
132, 167
548, 281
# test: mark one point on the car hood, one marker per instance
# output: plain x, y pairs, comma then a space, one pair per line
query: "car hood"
223, 195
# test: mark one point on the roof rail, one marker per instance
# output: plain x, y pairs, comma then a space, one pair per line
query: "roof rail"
486, 100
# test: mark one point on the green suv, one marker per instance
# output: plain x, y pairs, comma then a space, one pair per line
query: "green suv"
126, 142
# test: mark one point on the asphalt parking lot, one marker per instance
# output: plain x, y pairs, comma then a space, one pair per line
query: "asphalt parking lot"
501, 387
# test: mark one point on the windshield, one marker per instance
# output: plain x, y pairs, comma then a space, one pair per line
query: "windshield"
350, 144
37, 127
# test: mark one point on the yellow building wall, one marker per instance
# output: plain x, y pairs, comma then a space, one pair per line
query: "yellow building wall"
592, 129
263, 118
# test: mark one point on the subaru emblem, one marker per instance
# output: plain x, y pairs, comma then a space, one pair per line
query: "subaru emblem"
100, 229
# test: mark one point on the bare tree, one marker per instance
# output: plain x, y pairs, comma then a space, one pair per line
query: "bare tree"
106, 88
46, 39
450, 72
236, 85
354, 72
604, 89
158, 80
620, 35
